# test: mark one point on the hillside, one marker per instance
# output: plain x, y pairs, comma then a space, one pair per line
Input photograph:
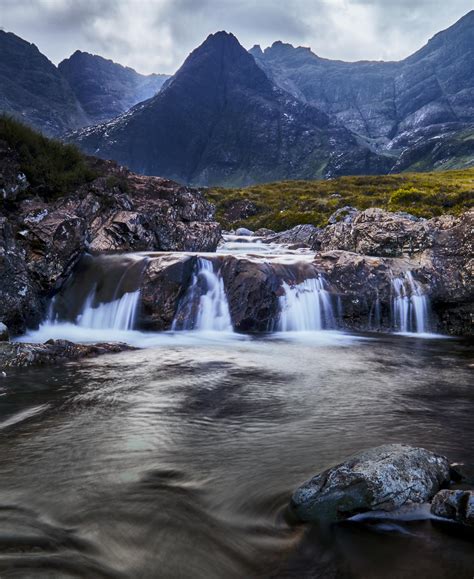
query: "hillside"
282, 205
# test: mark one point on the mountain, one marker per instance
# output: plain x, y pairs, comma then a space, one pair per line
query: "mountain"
220, 120
33, 90
106, 89
391, 105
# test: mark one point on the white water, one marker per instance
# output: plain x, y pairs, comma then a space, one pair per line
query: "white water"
116, 315
207, 290
306, 307
409, 305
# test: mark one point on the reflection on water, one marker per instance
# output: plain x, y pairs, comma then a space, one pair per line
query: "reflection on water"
178, 460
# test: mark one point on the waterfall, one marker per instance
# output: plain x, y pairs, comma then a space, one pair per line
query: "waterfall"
103, 293
409, 305
204, 306
306, 307
118, 314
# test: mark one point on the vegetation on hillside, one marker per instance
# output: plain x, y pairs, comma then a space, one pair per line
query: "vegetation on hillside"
51, 167
283, 205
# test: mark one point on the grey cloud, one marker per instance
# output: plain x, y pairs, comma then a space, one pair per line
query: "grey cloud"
156, 35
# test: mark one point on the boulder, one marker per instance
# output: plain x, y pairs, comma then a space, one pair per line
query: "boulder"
462, 473
383, 478
264, 232
343, 214
306, 233
455, 505
4, 334
244, 232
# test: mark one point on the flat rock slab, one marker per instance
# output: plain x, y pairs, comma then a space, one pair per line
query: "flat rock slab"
383, 478
21, 355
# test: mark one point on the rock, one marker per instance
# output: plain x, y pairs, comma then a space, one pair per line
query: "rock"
41, 241
239, 210
244, 232
455, 505
306, 233
264, 232
15, 355
344, 214
383, 478
462, 473
4, 334
379, 233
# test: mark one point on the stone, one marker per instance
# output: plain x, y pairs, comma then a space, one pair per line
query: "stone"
344, 214
4, 334
264, 232
22, 355
383, 478
455, 505
462, 473
244, 232
305, 233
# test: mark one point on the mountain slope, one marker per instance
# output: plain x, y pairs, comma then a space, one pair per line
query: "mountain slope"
32, 89
220, 120
106, 89
384, 102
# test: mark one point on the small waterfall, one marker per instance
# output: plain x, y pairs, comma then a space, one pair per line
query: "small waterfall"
119, 314
205, 306
102, 294
409, 305
306, 307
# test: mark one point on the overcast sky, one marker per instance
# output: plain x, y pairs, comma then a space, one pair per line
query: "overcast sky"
157, 35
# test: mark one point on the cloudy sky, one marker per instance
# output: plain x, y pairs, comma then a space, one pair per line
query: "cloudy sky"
157, 35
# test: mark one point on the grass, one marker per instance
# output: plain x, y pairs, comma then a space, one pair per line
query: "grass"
284, 204
52, 168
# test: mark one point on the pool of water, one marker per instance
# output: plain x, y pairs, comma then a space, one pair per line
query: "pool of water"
178, 460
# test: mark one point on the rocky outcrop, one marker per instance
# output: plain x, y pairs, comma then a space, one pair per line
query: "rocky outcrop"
305, 234
22, 355
455, 505
41, 241
4, 333
383, 478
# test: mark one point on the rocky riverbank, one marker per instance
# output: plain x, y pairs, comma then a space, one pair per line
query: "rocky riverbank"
41, 239
387, 478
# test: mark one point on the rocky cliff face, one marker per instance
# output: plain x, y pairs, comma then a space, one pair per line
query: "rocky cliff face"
220, 120
106, 89
41, 241
399, 108
33, 90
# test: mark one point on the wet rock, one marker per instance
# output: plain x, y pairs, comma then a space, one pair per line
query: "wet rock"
4, 334
383, 478
244, 232
41, 241
15, 355
455, 505
462, 473
264, 232
344, 215
376, 232
306, 233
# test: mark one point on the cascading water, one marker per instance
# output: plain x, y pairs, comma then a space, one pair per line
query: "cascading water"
409, 305
119, 314
205, 306
306, 307
102, 294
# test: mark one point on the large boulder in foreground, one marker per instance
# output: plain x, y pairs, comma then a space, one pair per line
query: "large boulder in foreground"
383, 478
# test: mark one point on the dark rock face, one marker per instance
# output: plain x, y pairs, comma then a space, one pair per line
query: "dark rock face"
383, 478
16, 355
220, 120
106, 89
306, 234
41, 242
32, 89
402, 108
455, 505
362, 257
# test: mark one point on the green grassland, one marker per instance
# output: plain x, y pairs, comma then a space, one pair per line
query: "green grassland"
283, 205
